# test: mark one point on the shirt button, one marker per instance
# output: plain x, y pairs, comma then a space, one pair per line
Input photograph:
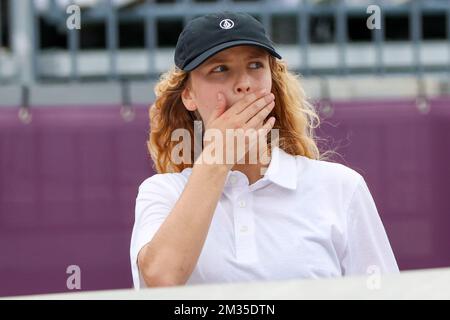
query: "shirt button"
244, 229
242, 204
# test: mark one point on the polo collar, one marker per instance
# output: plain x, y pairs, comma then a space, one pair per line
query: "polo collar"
282, 169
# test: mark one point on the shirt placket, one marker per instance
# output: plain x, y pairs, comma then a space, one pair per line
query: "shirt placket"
244, 224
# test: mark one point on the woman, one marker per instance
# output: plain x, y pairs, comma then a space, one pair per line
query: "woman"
210, 217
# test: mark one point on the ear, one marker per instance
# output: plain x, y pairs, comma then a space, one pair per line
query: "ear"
188, 99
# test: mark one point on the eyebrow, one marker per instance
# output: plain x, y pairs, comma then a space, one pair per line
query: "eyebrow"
249, 57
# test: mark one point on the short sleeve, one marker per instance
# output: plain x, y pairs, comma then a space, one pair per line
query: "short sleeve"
368, 248
156, 198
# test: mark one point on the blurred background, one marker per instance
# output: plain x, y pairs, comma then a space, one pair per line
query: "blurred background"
74, 121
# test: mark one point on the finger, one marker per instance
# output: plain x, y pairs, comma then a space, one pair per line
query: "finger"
258, 118
262, 133
265, 129
255, 108
250, 98
268, 125
220, 106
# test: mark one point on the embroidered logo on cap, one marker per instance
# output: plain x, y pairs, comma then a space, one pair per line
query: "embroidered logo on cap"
226, 24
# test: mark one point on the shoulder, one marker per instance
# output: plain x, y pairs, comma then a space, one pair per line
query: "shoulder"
335, 184
165, 182
327, 174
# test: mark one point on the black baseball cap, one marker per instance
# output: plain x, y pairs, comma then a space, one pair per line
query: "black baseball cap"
205, 36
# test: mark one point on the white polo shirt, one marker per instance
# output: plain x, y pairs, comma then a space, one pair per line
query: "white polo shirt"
304, 219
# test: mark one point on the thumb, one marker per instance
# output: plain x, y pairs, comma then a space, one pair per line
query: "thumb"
220, 105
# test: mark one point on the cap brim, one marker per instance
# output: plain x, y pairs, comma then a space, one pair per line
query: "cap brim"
208, 53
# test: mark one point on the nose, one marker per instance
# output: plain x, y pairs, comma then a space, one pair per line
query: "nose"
243, 89
243, 86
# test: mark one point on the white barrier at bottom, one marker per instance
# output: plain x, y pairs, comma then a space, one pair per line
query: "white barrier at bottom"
419, 284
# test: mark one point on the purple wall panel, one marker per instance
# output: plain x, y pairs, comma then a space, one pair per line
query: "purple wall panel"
67, 190
68, 182
404, 155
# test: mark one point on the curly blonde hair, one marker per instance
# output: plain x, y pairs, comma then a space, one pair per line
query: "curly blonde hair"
296, 118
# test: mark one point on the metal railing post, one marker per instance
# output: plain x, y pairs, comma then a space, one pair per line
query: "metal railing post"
150, 37
1, 40
266, 18
415, 25
378, 38
448, 38
23, 42
73, 36
303, 34
341, 35
112, 38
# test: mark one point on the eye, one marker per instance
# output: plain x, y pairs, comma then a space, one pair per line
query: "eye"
221, 66
261, 65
